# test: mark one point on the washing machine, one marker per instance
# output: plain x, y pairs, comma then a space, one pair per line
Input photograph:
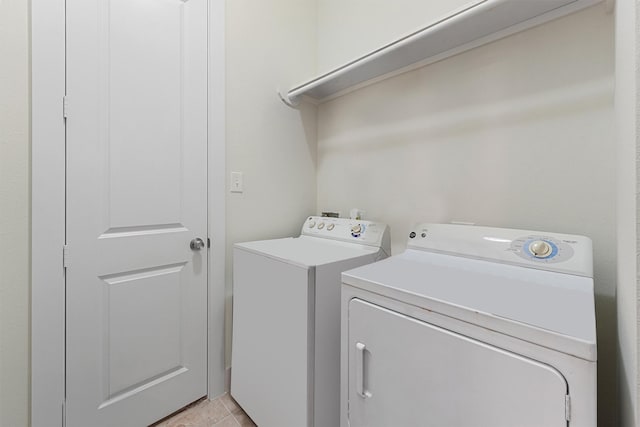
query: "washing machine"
471, 327
285, 364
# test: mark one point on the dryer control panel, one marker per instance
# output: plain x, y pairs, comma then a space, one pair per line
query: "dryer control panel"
348, 230
563, 253
543, 248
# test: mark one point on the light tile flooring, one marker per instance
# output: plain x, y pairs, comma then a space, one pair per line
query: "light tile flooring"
220, 412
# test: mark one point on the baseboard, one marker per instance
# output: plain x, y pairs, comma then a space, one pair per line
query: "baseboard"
227, 379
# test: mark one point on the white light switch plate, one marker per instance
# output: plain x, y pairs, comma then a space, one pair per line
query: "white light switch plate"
236, 182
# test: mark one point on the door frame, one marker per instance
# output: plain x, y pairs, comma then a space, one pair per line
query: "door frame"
48, 208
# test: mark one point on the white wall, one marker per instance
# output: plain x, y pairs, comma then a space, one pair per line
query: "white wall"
269, 45
350, 29
627, 36
518, 133
14, 213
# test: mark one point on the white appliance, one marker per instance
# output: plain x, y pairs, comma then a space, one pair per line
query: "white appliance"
286, 319
471, 327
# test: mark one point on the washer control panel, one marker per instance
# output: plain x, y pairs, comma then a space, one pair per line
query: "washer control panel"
349, 230
547, 251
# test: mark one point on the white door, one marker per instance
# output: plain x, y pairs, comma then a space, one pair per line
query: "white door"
136, 198
404, 372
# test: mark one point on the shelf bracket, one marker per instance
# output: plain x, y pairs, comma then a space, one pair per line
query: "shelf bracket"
289, 102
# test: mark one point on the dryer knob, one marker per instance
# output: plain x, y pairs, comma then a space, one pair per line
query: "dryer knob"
312, 224
540, 248
356, 229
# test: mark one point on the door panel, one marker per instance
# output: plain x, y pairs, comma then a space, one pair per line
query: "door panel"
404, 372
142, 347
136, 196
143, 96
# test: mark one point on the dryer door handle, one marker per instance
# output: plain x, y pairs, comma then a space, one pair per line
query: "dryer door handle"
361, 371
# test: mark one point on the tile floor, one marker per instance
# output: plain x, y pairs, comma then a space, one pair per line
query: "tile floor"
220, 412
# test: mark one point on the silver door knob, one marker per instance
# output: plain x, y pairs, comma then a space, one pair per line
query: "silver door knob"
196, 244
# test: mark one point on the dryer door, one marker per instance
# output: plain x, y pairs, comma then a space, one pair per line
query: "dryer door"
404, 372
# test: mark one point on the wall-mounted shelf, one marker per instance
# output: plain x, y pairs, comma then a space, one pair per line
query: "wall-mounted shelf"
481, 22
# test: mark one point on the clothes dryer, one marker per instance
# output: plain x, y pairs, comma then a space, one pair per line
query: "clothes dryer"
471, 326
286, 319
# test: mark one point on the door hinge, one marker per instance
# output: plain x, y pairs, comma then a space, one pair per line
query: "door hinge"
567, 407
66, 258
65, 106
208, 243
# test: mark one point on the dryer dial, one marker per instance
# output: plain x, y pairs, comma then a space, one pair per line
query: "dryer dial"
540, 249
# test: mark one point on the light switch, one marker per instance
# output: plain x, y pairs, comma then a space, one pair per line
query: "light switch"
236, 182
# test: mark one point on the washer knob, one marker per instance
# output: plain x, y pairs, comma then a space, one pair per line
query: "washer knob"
356, 229
330, 227
312, 224
540, 249
321, 226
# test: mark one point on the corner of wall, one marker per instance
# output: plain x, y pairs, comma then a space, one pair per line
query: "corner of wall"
628, 209
270, 45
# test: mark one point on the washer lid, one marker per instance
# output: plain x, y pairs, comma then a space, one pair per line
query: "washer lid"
551, 309
306, 251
